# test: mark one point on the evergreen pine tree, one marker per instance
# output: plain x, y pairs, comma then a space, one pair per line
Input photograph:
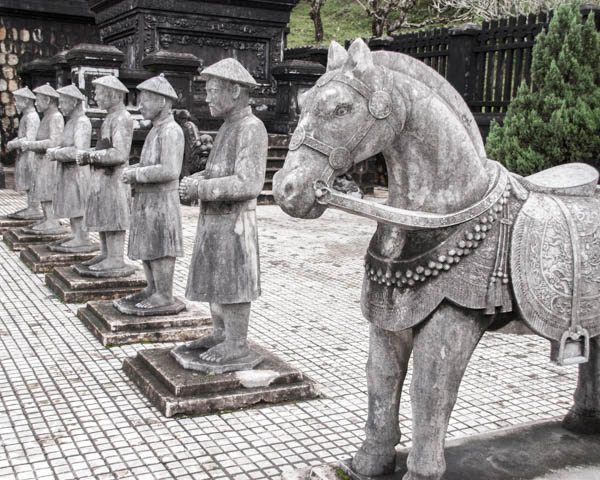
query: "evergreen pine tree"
558, 121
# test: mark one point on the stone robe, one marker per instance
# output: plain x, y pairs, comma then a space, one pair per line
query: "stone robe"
156, 214
49, 135
225, 263
70, 194
107, 208
24, 168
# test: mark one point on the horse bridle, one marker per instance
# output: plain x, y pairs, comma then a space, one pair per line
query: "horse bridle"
380, 107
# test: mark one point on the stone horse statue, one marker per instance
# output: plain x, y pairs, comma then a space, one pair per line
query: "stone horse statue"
458, 242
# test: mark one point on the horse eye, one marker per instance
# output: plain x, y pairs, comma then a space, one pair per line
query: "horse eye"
342, 110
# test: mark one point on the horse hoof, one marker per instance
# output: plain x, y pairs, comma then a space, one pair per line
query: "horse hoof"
582, 421
372, 460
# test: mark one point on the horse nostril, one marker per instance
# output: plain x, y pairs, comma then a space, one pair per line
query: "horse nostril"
288, 189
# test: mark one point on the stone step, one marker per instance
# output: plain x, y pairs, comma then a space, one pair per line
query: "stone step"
17, 240
71, 287
111, 327
40, 259
217, 400
155, 361
11, 223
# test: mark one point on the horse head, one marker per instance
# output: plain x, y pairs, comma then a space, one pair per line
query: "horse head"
350, 115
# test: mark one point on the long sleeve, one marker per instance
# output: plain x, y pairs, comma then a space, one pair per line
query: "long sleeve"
171, 144
32, 123
121, 137
250, 164
82, 139
56, 126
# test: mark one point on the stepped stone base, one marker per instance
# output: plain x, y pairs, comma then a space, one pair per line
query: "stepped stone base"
112, 327
541, 451
18, 240
174, 390
11, 223
40, 259
71, 287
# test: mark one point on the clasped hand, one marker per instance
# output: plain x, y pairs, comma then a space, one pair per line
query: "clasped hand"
128, 175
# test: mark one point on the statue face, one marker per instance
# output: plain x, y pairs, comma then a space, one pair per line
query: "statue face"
67, 104
42, 102
219, 97
151, 104
106, 97
22, 103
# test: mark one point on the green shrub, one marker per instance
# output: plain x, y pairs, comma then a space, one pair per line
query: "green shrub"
557, 121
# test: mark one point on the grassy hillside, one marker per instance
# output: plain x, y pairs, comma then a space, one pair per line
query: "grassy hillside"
342, 20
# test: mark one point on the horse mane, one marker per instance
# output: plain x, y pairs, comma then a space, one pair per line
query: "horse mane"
426, 75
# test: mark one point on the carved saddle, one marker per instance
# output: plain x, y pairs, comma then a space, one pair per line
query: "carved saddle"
555, 255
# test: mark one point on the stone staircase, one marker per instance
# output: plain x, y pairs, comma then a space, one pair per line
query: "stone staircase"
278, 148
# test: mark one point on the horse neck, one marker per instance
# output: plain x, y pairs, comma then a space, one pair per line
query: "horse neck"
432, 166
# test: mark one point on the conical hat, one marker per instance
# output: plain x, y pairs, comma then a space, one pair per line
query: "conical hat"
46, 90
71, 91
110, 81
24, 92
159, 85
230, 69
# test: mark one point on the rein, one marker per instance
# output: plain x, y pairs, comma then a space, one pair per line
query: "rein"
413, 219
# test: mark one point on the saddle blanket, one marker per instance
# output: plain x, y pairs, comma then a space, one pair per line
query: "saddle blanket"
555, 263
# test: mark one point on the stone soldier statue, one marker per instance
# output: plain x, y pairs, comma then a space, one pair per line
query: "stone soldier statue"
225, 264
24, 167
107, 208
70, 195
156, 235
49, 135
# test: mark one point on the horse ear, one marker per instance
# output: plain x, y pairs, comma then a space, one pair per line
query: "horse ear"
336, 57
360, 58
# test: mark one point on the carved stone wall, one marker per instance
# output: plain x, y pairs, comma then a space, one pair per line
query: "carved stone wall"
252, 31
35, 30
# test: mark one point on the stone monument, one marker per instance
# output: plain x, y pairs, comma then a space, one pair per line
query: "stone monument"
459, 242
107, 207
156, 235
70, 194
225, 265
224, 272
48, 136
24, 167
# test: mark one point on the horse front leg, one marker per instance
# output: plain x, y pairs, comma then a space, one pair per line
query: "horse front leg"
584, 416
443, 345
386, 369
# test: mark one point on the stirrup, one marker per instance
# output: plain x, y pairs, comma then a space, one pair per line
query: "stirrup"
574, 347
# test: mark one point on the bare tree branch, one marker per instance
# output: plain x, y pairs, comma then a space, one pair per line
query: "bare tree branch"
491, 9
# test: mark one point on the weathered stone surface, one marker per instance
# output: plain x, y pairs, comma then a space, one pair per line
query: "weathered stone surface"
174, 390
114, 328
71, 287
123, 271
12, 223
40, 259
17, 239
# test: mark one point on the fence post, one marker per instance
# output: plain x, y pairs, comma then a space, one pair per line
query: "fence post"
587, 8
462, 40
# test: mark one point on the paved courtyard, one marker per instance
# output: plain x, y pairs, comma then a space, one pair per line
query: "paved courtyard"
68, 411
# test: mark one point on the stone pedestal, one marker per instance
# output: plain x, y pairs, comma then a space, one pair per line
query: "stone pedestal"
18, 240
112, 327
537, 450
7, 223
71, 287
174, 390
40, 259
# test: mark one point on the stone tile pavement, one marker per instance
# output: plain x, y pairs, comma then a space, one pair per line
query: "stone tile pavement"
67, 411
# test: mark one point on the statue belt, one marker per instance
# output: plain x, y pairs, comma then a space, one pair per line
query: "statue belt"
157, 187
226, 208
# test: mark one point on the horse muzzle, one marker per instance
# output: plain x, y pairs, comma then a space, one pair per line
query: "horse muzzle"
294, 193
